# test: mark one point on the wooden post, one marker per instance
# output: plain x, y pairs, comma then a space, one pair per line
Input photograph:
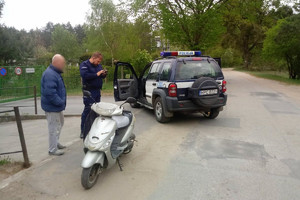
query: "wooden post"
35, 100
22, 138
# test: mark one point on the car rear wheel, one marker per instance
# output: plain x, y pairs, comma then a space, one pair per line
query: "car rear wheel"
159, 111
212, 114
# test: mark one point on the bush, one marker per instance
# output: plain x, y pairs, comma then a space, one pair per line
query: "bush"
140, 60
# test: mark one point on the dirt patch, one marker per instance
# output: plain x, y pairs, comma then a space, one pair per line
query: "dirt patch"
9, 169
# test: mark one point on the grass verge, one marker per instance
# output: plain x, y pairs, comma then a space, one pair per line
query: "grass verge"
273, 75
4, 161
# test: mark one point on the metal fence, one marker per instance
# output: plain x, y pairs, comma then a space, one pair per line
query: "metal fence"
21, 137
17, 82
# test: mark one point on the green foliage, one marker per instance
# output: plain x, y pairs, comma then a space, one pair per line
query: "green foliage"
246, 23
84, 57
111, 32
283, 43
64, 42
230, 57
72, 77
5, 160
1, 7
273, 75
140, 60
191, 24
15, 45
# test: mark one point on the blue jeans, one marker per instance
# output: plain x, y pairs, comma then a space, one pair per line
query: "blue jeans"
96, 94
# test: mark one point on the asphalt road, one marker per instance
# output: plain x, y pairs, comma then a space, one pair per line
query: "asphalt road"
250, 152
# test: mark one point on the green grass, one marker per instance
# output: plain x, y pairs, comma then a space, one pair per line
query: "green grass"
5, 161
7, 99
273, 75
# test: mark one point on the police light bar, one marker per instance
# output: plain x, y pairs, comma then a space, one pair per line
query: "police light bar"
180, 53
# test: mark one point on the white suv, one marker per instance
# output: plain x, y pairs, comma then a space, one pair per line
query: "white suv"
179, 81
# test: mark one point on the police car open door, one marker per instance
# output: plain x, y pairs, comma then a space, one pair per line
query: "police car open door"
125, 82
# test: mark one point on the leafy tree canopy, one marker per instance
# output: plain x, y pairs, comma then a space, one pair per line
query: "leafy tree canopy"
283, 42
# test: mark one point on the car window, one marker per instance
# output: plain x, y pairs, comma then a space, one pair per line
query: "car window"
165, 72
153, 74
124, 73
146, 73
190, 70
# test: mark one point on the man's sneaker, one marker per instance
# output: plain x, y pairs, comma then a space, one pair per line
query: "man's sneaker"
60, 146
57, 153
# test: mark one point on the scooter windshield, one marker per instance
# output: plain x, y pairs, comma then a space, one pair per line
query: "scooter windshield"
107, 109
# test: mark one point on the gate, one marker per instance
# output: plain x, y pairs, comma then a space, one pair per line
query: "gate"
17, 82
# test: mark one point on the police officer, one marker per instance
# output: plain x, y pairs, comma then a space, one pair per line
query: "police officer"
92, 73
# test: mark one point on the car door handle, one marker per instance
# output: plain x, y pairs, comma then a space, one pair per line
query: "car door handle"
154, 84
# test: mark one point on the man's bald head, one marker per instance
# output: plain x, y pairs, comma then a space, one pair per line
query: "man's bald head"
59, 62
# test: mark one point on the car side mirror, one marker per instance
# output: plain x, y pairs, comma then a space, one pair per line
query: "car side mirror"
130, 100
86, 93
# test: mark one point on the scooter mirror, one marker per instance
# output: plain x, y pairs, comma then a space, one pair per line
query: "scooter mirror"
131, 100
86, 93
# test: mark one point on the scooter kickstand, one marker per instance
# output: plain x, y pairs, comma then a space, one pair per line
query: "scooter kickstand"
120, 165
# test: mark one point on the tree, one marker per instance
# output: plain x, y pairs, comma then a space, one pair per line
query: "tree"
140, 60
80, 33
1, 7
16, 46
189, 24
110, 32
283, 42
246, 24
46, 34
65, 43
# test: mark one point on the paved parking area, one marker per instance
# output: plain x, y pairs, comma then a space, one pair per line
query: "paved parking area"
250, 152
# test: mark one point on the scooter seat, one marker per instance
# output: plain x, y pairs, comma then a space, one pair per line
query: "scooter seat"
122, 121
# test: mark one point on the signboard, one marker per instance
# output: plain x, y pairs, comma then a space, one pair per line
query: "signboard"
3, 71
29, 70
186, 53
18, 71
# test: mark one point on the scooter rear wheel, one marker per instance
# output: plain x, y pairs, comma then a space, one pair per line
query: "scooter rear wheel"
89, 176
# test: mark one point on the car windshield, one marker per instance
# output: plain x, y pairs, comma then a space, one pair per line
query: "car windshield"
190, 70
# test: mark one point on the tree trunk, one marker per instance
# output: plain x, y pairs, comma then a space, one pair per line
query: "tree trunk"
291, 68
246, 58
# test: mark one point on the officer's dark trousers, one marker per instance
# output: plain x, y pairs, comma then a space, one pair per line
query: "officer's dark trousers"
96, 94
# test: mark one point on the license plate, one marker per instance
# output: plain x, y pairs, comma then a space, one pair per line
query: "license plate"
208, 92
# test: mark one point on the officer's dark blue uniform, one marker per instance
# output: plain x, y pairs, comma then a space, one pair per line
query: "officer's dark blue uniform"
92, 83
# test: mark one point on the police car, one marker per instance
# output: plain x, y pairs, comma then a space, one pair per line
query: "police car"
180, 81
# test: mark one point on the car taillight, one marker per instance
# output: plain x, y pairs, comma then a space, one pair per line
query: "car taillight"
224, 86
172, 90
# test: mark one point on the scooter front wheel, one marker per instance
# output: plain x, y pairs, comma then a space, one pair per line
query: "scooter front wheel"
89, 176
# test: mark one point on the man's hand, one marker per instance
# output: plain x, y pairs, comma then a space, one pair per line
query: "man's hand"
100, 72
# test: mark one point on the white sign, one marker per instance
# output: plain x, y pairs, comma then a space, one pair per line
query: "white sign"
186, 53
18, 71
29, 70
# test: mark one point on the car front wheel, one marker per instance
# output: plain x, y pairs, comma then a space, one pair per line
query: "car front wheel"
159, 111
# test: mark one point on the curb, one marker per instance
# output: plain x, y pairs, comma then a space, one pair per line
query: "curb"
6, 182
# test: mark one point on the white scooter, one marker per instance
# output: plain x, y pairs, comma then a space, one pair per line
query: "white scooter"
110, 136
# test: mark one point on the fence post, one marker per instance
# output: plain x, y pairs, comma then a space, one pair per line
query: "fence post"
35, 101
22, 138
